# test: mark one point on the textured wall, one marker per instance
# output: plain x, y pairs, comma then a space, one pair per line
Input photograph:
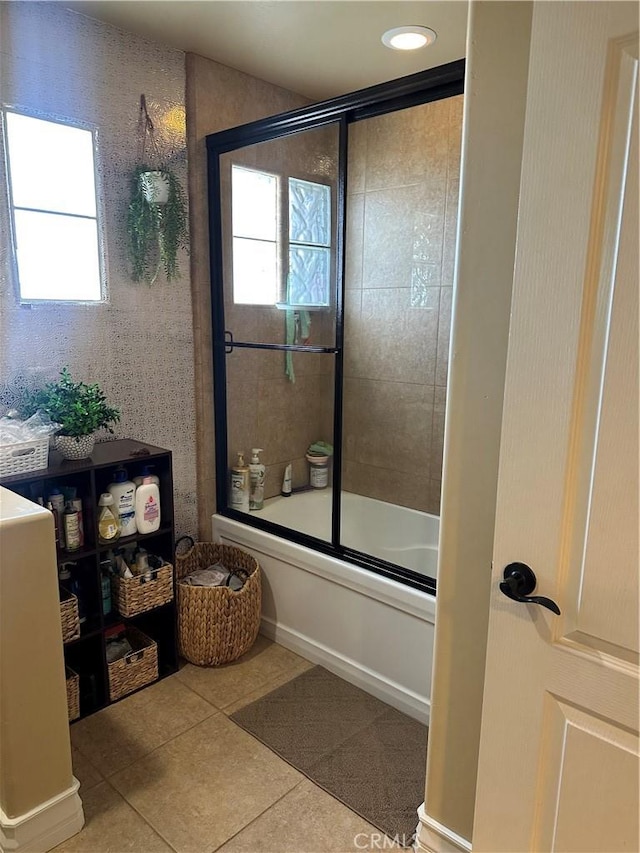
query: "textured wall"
217, 98
139, 344
402, 200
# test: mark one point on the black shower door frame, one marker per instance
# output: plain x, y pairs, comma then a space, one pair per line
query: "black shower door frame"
432, 85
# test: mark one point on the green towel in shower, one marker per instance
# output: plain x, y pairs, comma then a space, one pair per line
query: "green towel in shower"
289, 338
320, 448
297, 329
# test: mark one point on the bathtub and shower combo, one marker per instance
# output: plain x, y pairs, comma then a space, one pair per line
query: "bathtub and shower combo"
332, 243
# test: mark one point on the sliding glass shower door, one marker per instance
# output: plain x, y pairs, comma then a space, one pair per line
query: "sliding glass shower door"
279, 286
332, 246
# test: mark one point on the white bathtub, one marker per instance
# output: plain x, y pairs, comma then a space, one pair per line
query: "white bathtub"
393, 533
373, 631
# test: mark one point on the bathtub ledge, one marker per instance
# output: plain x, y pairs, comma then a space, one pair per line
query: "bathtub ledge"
420, 604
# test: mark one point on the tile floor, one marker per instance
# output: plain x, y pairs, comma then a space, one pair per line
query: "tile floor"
166, 770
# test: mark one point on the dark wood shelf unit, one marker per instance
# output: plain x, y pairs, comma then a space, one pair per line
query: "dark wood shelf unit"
86, 655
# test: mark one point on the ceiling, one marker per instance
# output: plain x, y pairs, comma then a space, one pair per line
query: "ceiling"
318, 48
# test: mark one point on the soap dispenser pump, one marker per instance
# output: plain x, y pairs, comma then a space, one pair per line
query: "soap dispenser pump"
256, 479
240, 486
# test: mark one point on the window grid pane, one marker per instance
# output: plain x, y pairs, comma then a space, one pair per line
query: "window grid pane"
254, 204
309, 213
309, 276
255, 272
58, 257
51, 166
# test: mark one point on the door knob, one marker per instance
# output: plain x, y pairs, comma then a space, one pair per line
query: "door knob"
519, 581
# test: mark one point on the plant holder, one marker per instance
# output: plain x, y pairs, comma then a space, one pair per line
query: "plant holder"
216, 624
155, 186
157, 213
74, 447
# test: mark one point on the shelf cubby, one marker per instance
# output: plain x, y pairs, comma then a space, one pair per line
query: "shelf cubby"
86, 655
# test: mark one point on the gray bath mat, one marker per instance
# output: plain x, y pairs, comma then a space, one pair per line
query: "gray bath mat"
360, 750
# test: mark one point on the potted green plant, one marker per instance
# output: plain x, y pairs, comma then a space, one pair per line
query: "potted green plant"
80, 409
156, 223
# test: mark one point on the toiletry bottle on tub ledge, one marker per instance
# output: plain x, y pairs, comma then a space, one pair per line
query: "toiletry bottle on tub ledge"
239, 493
256, 480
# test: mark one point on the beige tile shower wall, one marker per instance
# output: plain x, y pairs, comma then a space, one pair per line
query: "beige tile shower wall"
138, 344
402, 200
217, 98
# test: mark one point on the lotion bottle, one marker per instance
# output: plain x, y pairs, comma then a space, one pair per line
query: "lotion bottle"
256, 480
239, 495
146, 472
147, 506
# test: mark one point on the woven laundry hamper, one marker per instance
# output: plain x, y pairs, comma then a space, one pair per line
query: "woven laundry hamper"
215, 624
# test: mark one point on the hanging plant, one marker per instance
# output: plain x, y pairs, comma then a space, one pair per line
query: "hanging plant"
157, 215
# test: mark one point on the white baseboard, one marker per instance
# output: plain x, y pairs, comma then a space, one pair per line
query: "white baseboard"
45, 826
373, 682
434, 837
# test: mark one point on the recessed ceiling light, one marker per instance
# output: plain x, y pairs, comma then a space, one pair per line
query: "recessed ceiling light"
408, 38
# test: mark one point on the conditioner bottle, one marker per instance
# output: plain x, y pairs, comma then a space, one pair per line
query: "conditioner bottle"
123, 491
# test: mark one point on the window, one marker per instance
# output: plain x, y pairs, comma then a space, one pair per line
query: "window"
309, 243
52, 195
260, 247
255, 236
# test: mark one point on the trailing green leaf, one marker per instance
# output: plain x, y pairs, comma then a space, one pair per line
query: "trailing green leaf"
156, 232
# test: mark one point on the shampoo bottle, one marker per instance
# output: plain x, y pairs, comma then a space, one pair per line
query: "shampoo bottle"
239, 497
147, 506
256, 480
123, 491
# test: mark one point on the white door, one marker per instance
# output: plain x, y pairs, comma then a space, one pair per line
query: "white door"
558, 765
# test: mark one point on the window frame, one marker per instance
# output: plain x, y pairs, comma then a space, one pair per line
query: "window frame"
283, 241
91, 128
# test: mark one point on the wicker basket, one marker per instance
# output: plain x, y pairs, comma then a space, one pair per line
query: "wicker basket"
73, 694
69, 615
215, 624
136, 669
137, 595
24, 457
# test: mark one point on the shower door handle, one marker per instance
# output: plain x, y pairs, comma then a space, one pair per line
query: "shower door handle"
519, 581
